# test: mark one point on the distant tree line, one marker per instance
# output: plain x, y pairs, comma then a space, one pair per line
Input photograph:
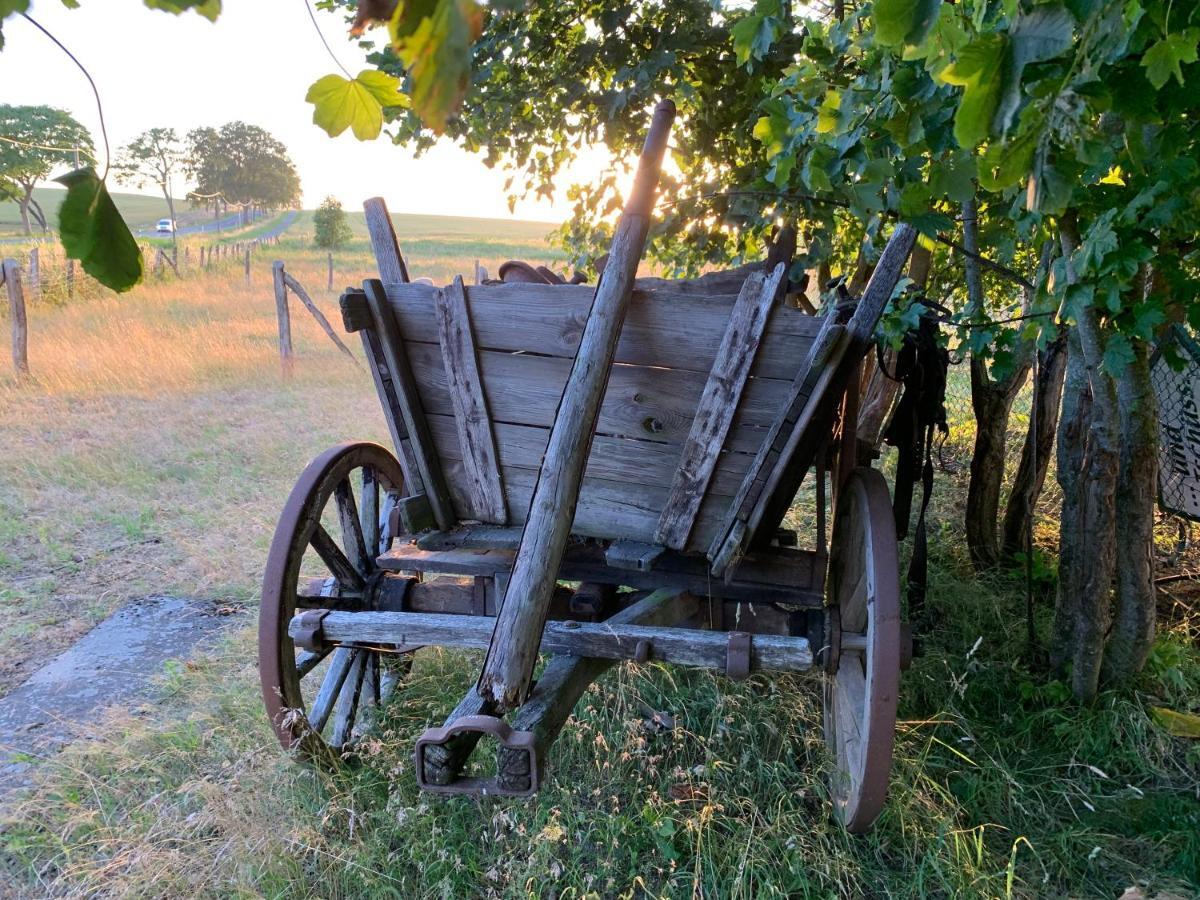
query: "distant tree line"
236, 166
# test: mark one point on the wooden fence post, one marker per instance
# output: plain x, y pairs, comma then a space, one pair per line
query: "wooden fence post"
480, 273
285, 323
247, 267
158, 261
20, 327
330, 285
35, 273
70, 278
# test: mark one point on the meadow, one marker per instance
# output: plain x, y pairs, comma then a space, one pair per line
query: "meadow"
150, 452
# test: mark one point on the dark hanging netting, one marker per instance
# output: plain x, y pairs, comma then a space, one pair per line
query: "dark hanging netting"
1178, 394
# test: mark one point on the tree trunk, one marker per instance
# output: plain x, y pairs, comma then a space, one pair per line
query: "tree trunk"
1133, 623
1072, 434
23, 203
1035, 455
991, 402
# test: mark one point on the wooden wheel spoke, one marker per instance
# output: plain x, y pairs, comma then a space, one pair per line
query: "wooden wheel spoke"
348, 699
854, 606
335, 677
308, 660
850, 692
352, 532
368, 515
343, 570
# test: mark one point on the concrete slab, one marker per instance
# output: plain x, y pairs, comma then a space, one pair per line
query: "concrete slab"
113, 663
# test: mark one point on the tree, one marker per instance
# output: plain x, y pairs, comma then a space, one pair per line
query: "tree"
38, 139
153, 157
243, 165
330, 228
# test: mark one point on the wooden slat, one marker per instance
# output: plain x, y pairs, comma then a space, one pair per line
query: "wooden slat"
605, 509
662, 328
641, 402
401, 375
476, 441
616, 459
814, 377
717, 406
388, 258
860, 333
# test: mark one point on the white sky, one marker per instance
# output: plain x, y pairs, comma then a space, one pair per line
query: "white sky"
255, 64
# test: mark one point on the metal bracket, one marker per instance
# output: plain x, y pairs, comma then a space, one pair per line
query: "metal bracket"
311, 634
737, 656
523, 741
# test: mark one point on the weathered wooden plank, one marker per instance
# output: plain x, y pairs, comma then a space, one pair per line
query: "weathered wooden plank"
860, 333
476, 442
284, 318
718, 404
400, 374
331, 686
388, 257
565, 679
781, 575
640, 402
512, 652
618, 459
662, 327
679, 646
605, 509
16, 311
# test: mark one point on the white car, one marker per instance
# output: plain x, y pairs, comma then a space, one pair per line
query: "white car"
165, 226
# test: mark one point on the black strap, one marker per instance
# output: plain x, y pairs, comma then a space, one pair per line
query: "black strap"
918, 566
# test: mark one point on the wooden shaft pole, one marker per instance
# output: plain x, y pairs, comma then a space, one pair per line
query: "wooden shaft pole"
20, 328
514, 647
285, 323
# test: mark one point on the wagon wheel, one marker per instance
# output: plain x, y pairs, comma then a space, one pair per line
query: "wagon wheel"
863, 591
337, 542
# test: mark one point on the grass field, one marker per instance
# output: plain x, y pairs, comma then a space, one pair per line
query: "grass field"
152, 450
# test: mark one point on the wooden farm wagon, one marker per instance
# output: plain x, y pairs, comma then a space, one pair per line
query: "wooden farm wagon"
603, 473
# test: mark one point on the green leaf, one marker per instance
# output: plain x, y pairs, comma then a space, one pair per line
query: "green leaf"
7, 8
829, 115
753, 37
1179, 724
1118, 355
433, 39
94, 233
977, 71
210, 9
340, 103
1034, 37
1165, 58
904, 21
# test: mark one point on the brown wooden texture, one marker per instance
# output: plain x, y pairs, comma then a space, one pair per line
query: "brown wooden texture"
663, 327
284, 317
512, 653
680, 646
780, 575
16, 312
400, 374
388, 257
718, 404
480, 464
298, 289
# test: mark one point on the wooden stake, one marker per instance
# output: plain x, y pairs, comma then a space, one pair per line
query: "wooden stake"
514, 647
20, 328
247, 267
285, 323
329, 287
35, 273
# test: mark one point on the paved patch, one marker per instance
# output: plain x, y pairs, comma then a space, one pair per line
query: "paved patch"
113, 663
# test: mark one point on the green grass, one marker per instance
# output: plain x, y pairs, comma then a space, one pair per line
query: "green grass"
160, 416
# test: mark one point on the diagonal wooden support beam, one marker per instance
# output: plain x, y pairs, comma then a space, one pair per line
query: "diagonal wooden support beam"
565, 679
508, 668
717, 406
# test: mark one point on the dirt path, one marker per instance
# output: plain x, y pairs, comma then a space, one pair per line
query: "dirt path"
115, 662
